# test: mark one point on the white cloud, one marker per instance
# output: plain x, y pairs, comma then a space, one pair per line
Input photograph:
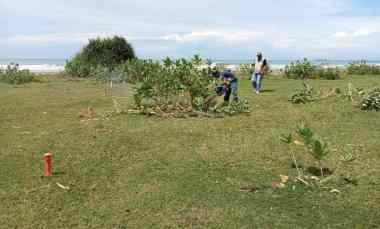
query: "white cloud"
228, 36
359, 33
182, 27
340, 35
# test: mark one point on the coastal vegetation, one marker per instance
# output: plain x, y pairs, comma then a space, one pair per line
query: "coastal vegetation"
371, 100
100, 53
173, 88
362, 68
305, 69
13, 75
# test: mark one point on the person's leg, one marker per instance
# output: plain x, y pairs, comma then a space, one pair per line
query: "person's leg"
258, 83
227, 94
253, 80
234, 89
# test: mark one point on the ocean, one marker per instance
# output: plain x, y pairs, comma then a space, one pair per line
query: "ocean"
58, 65
37, 65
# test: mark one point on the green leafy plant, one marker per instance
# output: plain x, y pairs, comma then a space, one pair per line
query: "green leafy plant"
233, 108
305, 69
13, 75
306, 95
300, 69
305, 137
362, 68
348, 154
173, 86
103, 52
371, 100
315, 146
327, 73
167, 84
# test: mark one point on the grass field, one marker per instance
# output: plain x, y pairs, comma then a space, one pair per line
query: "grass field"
132, 171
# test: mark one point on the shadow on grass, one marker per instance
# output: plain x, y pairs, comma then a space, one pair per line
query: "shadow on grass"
267, 91
59, 173
315, 171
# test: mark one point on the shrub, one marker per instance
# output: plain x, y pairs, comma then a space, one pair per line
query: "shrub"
312, 143
371, 100
315, 146
303, 96
306, 70
136, 70
12, 75
171, 79
362, 68
327, 73
104, 52
235, 107
300, 69
173, 87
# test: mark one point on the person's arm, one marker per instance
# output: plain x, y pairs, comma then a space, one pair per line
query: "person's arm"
263, 67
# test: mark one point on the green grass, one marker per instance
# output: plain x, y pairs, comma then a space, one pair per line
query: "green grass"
132, 171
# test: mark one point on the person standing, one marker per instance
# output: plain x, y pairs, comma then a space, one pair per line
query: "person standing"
258, 74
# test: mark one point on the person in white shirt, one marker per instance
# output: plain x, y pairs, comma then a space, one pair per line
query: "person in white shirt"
257, 76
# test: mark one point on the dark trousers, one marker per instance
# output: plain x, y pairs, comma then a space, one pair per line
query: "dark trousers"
231, 89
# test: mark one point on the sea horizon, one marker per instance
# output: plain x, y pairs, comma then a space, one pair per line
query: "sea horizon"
53, 65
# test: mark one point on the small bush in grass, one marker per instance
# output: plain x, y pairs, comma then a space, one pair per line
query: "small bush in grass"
327, 73
235, 107
13, 75
103, 52
312, 143
362, 68
315, 146
306, 95
300, 69
78, 67
306, 70
371, 100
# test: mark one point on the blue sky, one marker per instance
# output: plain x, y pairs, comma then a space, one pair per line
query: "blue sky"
282, 29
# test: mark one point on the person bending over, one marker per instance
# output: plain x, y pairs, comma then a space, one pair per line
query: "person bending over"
230, 82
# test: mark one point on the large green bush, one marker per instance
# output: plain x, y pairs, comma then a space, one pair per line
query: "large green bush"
100, 52
305, 69
13, 75
175, 87
161, 83
362, 68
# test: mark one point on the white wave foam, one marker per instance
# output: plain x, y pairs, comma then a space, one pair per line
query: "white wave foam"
40, 68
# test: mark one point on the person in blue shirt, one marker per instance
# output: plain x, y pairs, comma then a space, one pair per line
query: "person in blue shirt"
230, 82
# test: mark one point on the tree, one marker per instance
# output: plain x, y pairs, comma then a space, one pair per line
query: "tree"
100, 52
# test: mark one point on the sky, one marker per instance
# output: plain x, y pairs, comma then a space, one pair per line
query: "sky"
217, 29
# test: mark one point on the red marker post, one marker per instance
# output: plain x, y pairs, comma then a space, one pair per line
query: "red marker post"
48, 158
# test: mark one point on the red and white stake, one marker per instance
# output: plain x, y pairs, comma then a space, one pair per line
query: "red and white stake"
48, 158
